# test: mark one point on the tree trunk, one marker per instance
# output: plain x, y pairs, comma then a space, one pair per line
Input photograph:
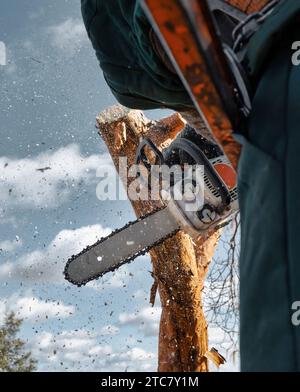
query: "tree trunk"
179, 265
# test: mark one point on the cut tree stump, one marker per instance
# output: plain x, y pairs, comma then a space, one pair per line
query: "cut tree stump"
179, 264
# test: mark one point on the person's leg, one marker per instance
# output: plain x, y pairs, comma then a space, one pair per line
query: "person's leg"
269, 185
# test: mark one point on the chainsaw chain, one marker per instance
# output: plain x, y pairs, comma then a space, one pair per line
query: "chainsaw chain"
125, 261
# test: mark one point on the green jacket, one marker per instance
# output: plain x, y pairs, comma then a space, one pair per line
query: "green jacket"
269, 189
119, 32
271, 33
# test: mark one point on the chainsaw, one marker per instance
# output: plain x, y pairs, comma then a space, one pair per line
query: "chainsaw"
199, 201
200, 38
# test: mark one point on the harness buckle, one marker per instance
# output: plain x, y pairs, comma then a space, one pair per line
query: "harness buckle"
249, 26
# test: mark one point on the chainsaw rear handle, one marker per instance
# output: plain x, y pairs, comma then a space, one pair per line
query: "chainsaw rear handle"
140, 155
199, 157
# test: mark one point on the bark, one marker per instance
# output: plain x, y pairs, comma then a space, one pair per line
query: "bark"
179, 264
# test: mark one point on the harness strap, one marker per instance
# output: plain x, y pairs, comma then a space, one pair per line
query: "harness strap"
248, 6
249, 26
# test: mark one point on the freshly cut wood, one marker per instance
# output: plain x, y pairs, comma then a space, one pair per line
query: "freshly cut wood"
179, 264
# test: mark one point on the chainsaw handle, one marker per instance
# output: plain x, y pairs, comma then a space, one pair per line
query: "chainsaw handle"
141, 156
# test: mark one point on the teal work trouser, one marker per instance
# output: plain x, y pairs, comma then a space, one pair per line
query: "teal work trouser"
269, 193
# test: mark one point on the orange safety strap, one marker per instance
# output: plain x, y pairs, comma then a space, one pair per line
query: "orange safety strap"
180, 42
248, 6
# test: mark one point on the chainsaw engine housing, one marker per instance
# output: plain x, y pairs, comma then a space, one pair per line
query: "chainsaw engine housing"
207, 203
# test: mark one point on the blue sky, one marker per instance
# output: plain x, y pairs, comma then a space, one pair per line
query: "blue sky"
51, 91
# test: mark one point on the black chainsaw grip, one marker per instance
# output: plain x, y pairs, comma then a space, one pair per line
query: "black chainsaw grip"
200, 158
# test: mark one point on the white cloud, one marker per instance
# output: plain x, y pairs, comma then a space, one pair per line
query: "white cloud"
217, 336
109, 330
141, 294
133, 354
10, 246
146, 319
46, 265
116, 279
120, 277
2, 53
82, 351
8, 220
68, 35
67, 347
23, 184
33, 309
7, 59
